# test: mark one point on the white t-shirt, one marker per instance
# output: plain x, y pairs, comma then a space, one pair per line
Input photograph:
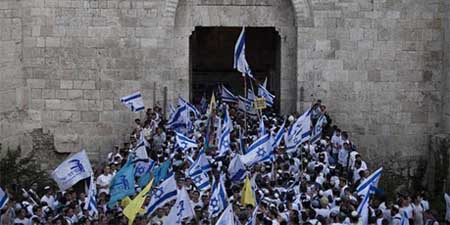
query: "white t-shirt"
50, 200
24, 221
104, 180
447, 202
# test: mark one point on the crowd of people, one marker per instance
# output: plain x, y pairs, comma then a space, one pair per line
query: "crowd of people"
312, 184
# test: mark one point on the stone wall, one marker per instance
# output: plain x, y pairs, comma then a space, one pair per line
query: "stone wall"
378, 65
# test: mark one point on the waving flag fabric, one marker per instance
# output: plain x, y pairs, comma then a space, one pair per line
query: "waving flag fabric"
279, 136
181, 210
3, 198
77, 167
165, 192
228, 217
224, 140
259, 151
317, 131
263, 92
240, 62
198, 173
132, 209
122, 184
236, 169
228, 96
300, 131
134, 102
246, 105
184, 142
91, 205
218, 201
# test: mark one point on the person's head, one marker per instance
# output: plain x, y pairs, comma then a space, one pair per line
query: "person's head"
107, 170
195, 195
394, 210
137, 121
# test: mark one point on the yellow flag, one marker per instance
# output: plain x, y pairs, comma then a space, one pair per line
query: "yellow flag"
125, 202
135, 205
212, 104
247, 196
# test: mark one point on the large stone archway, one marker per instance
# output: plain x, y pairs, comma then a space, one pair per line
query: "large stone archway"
183, 16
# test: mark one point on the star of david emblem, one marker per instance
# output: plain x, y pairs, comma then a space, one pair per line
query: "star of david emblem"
197, 179
183, 145
226, 143
261, 152
158, 192
214, 203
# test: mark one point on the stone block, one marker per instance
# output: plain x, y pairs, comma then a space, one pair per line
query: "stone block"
36, 93
66, 84
90, 116
74, 94
36, 83
61, 94
374, 76
419, 117
48, 93
91, 94
53, 104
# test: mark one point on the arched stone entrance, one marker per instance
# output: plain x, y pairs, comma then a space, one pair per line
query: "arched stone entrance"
278, 14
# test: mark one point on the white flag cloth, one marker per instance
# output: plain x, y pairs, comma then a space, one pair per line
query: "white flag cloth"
259, 151
184, 142
227, 217
300, 131
218, 200
279, 136
240, 62
140, 151
246, 106
317, 131
447, 203
370, 181
252, 219
404, 220
134, 102
179, 118
198, 172
91, 205
3, 198
269, 97
181, 210
236, 169
363, 208
226, 128
190, 107
165, 192
72, 170
261, 128
228, 96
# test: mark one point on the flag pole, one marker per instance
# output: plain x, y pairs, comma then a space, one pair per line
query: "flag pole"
245, 94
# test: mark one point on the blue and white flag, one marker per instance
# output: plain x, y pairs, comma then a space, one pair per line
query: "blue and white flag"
218, 201
190, 107
279, 136
240, 62
228, 96
236, 170
246, 106
299, 132
166, 191
181, 210
134, 102
263, 92
224, 138
179, 119
203, 105
228, 217
404, 220
77, 167
161, 172
140, 151
3, 198
197, 172
242, 144
252, 219
261, 128
259, 151
370, 182
251, 96
91, 205
185, 143
142, 167
122, 184
317, 131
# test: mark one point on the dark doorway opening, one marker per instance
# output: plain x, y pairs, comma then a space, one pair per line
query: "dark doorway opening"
211, 60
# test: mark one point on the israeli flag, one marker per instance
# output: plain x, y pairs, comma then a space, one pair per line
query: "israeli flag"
77, 167
143, 167
3, 198
240, 63
224, 140
263, 92
122, 184
250, 95
184, 142
166, 191
404, 220
91, 205
218, 201
252, 219
228, 217
134, 102
299, 132
363, 207
179, 118
198, 175
227, 96
140, 151
236, 170
370, 181
279, 136
190, 107
259, 151
261, 128
181, 210
246, 105
317, 131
